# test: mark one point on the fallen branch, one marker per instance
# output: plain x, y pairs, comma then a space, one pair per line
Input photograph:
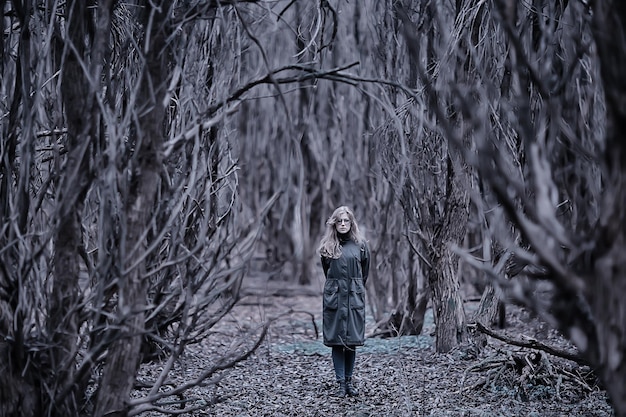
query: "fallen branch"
531, 344
151, 402
524, 373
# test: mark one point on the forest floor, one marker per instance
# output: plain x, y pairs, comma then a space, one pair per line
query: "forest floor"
290, 374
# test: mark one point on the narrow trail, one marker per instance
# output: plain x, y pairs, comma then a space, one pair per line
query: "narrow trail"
291, 373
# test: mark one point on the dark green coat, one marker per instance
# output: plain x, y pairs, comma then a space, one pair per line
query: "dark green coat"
344, 295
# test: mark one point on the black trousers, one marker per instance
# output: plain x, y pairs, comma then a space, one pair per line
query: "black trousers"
343, 361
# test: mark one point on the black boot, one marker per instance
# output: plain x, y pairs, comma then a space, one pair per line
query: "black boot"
341, 389
350, 389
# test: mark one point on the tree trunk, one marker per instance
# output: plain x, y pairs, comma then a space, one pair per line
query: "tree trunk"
18, 390
411, 300
443, 276
491, 307
416, 300
82, 125
124, 355
607, 283
488, 309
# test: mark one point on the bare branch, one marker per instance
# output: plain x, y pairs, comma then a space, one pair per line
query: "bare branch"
141, 405
530, 343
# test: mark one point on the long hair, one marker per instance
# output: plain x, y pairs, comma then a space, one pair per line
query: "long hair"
329, 245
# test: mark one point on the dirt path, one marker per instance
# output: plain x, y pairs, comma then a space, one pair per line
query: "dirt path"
291, 374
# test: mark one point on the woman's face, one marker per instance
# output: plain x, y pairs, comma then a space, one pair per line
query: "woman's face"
343, 223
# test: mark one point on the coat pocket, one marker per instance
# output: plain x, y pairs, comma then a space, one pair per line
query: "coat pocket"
357, 298
331, 295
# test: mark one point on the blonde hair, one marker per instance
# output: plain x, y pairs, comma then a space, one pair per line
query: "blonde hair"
329, 245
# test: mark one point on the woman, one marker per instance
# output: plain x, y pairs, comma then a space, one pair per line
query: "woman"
345, 260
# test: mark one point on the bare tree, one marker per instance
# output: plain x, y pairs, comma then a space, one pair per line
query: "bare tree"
429, 180
546, 150
119, 225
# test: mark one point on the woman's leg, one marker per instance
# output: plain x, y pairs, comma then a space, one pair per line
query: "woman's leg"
339, 363
350, 357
